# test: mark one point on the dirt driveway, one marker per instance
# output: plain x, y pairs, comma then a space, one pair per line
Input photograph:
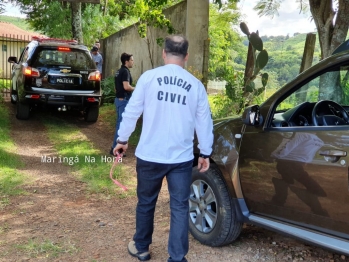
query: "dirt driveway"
57, 220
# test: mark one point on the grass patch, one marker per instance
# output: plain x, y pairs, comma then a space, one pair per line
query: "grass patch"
89, 164
10, 178
107, 115
5, 83
47, 249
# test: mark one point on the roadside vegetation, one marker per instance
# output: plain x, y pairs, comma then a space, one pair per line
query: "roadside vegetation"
10, 177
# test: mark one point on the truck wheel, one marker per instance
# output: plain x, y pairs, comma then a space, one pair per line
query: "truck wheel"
23, 111
91, 114
212, 217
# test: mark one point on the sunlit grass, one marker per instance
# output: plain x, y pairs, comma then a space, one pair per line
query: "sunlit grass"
107, 114
87, 162
10, 178
47, 248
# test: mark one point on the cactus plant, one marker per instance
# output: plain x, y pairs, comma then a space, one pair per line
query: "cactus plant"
257, 58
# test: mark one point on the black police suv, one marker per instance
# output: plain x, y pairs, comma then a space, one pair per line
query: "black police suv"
56, 73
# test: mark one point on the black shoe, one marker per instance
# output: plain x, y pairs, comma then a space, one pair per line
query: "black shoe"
142, 256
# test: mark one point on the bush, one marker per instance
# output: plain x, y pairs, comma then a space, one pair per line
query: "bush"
108, 90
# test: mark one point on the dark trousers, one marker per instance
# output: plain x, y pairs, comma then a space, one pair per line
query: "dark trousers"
120, 106
150, 176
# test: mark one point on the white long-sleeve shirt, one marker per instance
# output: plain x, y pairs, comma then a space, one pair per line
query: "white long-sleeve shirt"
174, 104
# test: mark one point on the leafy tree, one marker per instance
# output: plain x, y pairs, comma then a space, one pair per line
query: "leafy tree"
61, 18
226, 49
2, 8
150, 16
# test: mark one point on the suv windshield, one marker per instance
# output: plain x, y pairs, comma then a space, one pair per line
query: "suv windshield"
76, 59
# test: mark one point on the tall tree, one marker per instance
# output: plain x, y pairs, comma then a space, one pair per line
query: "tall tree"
2, 7
76, 21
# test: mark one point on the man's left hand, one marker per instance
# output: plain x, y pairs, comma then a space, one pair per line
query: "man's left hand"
118, 148
203, 164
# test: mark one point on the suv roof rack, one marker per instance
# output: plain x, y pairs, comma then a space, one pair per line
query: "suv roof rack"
42, 39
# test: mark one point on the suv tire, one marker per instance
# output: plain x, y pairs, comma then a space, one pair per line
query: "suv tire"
23, 111
212, 216
91, 114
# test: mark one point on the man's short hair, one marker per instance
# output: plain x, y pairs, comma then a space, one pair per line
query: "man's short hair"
176, 45
125, 57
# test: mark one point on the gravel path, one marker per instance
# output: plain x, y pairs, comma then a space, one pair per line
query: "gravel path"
59, 211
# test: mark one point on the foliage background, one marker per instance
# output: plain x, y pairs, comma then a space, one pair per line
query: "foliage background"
228, 48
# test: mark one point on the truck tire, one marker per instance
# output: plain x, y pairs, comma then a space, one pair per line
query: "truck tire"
212, 216
91, 114
22, 110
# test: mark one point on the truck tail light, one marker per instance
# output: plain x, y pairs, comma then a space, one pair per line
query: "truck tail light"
31, 71
64, 49
91, 99
94, 76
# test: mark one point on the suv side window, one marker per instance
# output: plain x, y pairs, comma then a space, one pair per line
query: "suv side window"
24, 55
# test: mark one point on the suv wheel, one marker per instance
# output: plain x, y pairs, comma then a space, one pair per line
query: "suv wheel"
91, 114
212, 217
23, 111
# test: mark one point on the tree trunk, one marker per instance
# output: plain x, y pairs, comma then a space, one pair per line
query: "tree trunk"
307, 60
76, 22
332, 32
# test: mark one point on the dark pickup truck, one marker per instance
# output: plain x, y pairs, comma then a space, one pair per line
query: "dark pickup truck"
56, 73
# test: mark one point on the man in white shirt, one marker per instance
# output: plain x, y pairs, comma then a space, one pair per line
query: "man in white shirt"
174, 104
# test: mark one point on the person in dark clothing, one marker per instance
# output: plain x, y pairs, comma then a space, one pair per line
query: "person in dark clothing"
123, 90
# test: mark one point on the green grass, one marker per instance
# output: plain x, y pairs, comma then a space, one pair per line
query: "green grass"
10, 178
5, 83
46, 248
107, 114
88, 163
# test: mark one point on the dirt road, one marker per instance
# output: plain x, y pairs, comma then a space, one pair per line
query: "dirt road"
58, 220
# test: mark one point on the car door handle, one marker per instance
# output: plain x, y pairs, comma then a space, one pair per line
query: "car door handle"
337, 153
